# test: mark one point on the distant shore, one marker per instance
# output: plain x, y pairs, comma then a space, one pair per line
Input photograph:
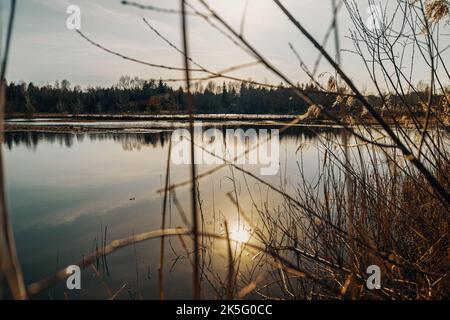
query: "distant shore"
159, 116
66, 123
151, 122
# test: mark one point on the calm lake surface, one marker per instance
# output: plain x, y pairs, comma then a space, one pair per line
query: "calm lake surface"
68, 192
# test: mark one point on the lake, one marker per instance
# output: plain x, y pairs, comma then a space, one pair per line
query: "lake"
69, 193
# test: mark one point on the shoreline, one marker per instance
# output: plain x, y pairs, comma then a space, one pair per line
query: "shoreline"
148, 123
142, 123
153, 128
135, 117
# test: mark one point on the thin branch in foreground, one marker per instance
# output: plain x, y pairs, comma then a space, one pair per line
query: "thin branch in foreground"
163, 223
155, 9
9, 262
190, 107
120, 55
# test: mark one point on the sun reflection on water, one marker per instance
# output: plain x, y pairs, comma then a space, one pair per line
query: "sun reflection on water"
240, 234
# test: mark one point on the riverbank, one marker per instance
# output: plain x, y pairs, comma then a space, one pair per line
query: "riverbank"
142, 122
162, 116
162, 122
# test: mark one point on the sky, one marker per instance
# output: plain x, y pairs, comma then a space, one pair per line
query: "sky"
44, 49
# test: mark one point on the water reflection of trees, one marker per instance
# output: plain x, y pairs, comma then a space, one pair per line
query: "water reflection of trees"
137, 141
31, 139
129, 141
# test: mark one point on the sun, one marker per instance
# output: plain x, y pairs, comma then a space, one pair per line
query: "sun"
241, 235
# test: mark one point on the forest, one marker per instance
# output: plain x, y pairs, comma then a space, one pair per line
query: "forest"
134, 95
139, 96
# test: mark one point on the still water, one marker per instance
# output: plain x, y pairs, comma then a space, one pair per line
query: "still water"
69, 192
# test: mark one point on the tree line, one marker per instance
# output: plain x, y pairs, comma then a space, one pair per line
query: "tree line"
134, 95
139, 96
